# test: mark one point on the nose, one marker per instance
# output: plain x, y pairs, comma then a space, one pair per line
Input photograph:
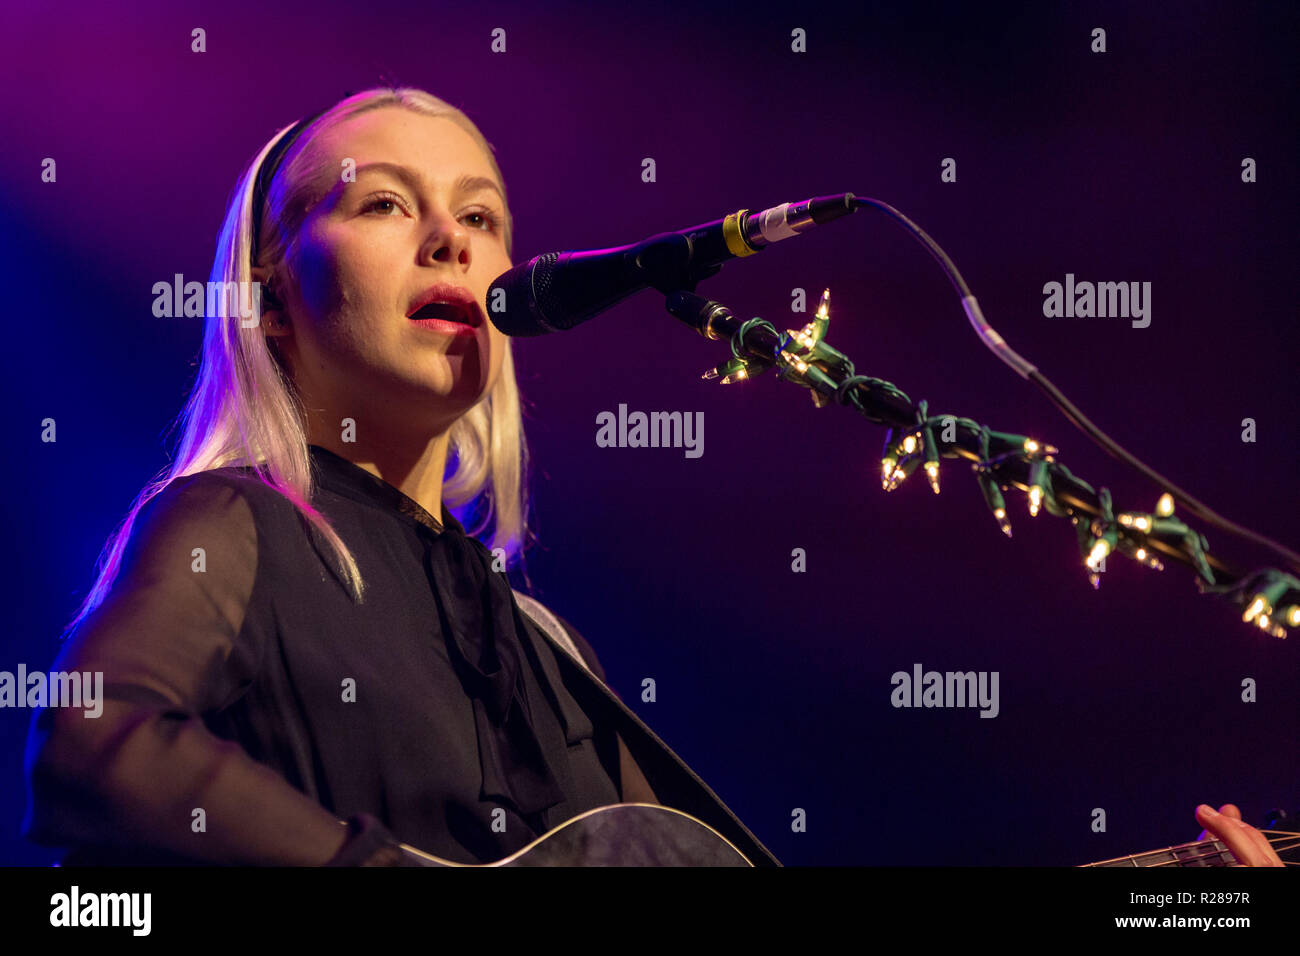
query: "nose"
448, 241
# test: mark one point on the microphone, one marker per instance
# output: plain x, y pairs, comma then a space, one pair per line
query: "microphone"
558, 290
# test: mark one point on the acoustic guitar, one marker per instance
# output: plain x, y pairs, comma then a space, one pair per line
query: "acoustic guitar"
646, 834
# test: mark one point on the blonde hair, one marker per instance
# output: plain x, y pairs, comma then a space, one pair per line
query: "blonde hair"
243, 410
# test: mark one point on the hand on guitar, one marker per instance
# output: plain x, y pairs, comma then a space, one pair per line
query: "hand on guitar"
1247, 844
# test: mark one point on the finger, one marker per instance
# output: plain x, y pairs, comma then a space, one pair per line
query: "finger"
1267, 855
1228, 810
1203, 820
1233, 833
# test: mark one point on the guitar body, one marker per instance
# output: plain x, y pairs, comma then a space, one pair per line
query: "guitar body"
625, 834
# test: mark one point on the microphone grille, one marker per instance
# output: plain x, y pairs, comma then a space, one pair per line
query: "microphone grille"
546, 302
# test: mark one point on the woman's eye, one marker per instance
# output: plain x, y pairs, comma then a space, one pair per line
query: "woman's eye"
493, 223
378, 201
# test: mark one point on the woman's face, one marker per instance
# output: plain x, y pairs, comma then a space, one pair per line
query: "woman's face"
368, 250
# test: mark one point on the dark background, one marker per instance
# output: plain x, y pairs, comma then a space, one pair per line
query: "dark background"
773, 686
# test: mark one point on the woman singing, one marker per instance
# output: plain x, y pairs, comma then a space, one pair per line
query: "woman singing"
307, 659
290, 639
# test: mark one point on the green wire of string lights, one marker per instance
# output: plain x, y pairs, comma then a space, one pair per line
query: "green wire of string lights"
1271, 597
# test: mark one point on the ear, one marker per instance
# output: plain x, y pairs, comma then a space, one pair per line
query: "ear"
275, 318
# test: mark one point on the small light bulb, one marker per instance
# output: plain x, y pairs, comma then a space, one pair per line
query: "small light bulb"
909, 444
1293, 616
1165, 506
1035, 499
1031, 446
932, 472
1256, 607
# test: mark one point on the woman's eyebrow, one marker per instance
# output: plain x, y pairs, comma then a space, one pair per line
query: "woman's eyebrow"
466, 183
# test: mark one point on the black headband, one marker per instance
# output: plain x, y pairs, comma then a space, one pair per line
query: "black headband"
270, 165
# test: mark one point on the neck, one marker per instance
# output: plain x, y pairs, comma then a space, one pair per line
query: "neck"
413, 468
1202, 853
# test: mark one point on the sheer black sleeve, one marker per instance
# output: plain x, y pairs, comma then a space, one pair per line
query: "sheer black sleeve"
146, 780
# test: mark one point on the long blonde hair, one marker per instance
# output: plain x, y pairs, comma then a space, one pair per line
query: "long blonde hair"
242, 409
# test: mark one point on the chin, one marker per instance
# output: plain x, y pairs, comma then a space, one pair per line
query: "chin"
447, 400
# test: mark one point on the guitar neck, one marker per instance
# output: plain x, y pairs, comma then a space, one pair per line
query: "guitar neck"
1203, 853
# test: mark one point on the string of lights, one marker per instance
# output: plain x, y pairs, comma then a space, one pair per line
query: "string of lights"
1000, 460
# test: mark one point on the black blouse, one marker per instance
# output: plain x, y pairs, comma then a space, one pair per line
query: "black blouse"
250, 704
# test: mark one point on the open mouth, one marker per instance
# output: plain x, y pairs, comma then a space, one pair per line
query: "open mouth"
458, 313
